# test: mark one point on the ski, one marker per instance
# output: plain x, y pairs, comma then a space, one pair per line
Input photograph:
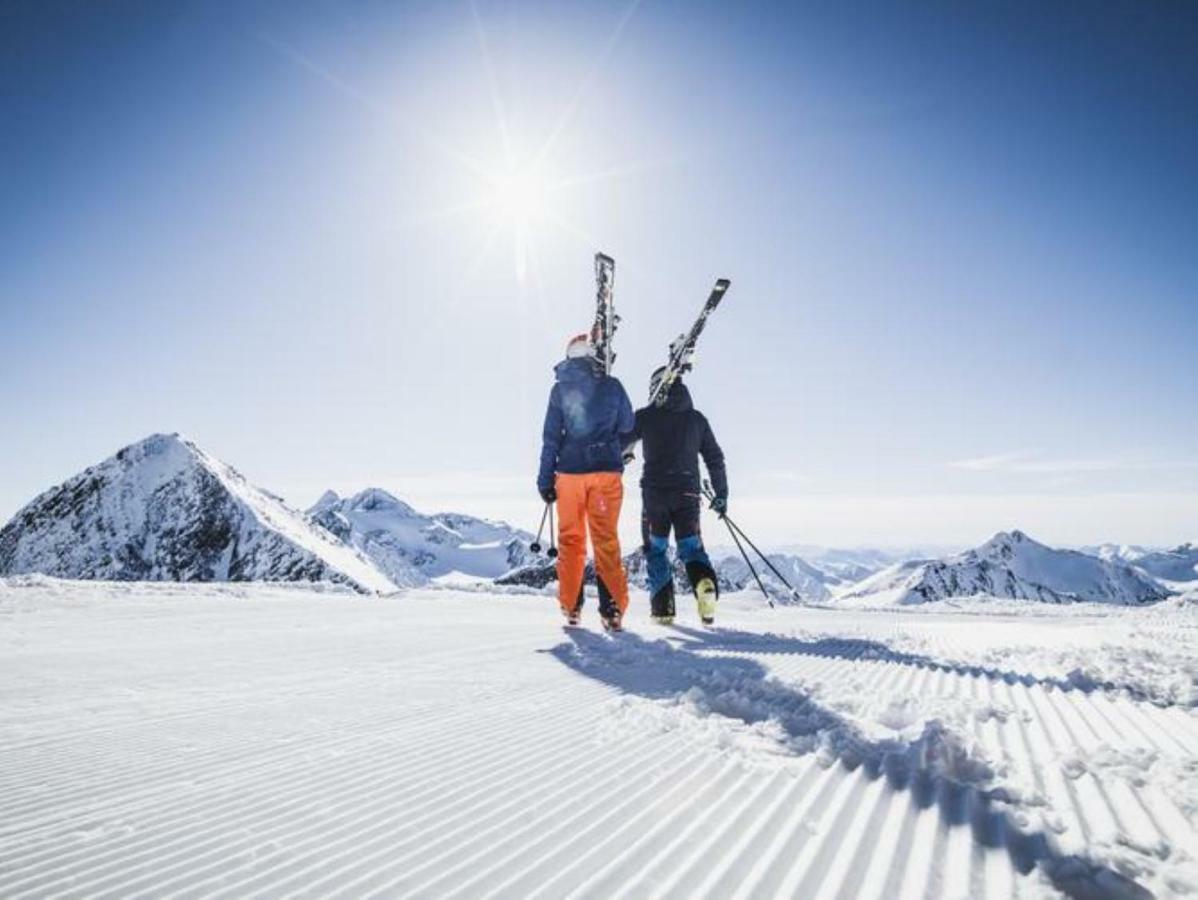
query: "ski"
683, 347
606, 319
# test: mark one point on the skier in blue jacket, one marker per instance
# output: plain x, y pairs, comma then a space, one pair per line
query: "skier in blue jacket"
587, 422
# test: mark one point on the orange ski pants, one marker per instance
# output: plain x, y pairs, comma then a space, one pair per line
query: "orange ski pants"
591, 500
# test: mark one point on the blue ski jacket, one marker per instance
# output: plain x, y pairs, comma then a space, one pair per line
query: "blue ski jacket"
587, 423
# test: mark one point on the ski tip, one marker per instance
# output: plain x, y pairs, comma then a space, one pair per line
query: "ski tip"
722, 284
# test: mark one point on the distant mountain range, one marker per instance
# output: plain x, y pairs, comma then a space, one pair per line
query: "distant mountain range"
411, 548
1010, 565
1177, 565
848, 565
163, 509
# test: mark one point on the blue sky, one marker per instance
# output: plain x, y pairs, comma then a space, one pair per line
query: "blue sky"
343, 244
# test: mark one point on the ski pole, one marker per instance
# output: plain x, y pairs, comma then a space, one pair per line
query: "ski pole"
794, 593
740, 547
535, 546
748, 562
736, 529
552, 535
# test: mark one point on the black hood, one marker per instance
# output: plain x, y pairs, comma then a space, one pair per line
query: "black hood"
678, 399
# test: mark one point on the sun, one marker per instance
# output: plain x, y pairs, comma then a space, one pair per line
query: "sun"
520, 196
519, 202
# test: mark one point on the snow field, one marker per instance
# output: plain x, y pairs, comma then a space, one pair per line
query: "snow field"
253, 740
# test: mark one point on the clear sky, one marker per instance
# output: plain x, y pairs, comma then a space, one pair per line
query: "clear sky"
342, 244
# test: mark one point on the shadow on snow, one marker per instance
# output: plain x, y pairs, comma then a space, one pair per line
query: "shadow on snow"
861, 649
936, 768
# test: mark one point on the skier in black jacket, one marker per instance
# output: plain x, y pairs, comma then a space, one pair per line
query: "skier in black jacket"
674, 436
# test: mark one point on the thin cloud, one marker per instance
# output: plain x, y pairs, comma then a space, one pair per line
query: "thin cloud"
995, 462
1024, 462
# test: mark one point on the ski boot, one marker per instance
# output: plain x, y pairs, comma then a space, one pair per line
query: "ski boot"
706, 596
703, 582
574, 617
609, 613
661, 606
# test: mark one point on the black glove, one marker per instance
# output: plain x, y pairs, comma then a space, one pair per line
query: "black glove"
548, 494
720, 505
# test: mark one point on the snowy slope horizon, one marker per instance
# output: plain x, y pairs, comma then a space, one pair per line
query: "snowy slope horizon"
162, 509
1014, 566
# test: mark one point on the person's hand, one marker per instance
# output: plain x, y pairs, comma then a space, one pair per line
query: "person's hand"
548, 494
720, 505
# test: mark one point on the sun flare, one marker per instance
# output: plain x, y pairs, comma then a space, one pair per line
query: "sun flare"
520, 196
519, 202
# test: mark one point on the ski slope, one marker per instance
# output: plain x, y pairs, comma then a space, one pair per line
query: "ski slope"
239, 740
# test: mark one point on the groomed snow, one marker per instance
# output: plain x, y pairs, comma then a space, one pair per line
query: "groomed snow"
243, 740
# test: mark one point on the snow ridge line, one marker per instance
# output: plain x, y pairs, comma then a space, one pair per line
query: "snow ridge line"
280, 770
364, 850
483, 854
359, 818
265, 689
232, 808
601, 840
147, 778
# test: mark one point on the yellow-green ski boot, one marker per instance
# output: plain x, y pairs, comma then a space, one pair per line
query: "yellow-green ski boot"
706, 594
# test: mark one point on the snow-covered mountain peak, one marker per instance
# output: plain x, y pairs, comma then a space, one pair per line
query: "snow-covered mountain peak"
158, 457
327, 499
380, 501
158, 444
163, 509
1004, 544
1014, 536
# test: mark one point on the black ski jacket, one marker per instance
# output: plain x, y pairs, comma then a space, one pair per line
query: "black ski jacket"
673, 436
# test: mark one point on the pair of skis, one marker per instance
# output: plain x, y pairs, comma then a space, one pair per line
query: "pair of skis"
682, 349
606, 320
